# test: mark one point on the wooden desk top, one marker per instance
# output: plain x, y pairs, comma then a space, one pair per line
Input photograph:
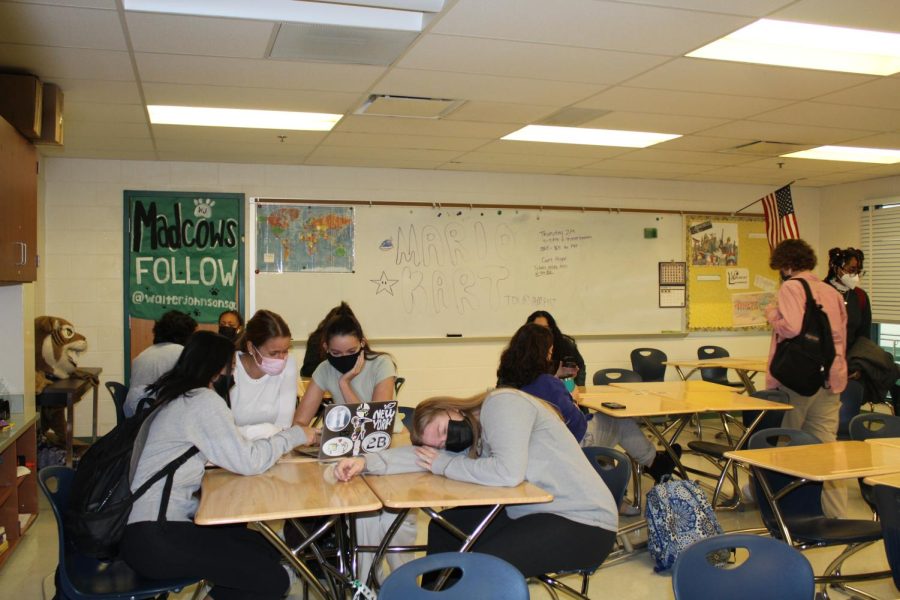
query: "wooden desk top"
754, 363
673, 388
892, 480
824, 462
72, 385
885, 441
426, 490
287, 490
641, 405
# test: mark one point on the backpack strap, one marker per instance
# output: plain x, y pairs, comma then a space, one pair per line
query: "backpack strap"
810, 301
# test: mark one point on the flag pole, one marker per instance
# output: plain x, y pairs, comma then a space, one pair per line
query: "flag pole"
760, 199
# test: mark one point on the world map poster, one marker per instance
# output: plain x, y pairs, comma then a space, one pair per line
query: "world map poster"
293, 238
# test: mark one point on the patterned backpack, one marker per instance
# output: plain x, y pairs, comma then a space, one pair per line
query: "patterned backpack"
678, 514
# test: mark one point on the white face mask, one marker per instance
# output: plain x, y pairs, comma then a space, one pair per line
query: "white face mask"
851, 281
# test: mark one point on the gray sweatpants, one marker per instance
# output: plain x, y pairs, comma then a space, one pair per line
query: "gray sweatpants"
608, 432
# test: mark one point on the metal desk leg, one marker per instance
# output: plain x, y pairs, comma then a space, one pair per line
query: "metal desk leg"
747, 379
371, 579
665, 444
295, 562
469, 540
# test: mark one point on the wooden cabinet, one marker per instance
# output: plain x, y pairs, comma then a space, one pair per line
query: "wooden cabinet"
18, 495
18, 207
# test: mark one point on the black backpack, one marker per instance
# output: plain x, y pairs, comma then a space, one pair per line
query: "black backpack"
802, 363
101, 498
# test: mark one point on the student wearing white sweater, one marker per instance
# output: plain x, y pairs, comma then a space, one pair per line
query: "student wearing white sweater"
238, 562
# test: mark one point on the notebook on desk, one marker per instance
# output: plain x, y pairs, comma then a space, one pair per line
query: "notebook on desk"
354, 429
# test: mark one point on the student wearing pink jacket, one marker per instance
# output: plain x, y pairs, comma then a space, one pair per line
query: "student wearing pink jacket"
816, 414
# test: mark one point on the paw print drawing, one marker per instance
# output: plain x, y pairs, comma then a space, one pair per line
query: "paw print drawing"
213, 291
203, 207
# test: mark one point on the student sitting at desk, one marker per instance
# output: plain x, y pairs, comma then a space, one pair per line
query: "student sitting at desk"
354, 373
238, 562
315, 353
170, 333
264, 395
526, 364
563, 347
504, 438
231, 324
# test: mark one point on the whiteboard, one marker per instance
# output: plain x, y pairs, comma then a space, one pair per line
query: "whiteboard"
426, 272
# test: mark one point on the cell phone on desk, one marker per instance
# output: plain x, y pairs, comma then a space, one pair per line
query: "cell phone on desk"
612, 405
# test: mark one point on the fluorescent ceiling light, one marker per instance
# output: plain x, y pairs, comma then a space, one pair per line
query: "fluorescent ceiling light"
881, 156
790, 44
237, 117
589, 137
288, 11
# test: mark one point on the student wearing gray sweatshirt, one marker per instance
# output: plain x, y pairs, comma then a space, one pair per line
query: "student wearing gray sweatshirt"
503, 439
238, 562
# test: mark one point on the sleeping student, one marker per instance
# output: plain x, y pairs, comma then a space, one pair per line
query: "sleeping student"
264, 396
502, 439
236, 561
354, 373
527, 363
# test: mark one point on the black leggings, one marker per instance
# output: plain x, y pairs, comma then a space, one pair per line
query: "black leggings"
535, 544
237, 562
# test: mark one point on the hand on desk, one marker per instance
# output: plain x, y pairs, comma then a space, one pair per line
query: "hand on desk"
313, 435
348, 468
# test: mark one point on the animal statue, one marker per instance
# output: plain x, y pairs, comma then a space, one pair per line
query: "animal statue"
57, 349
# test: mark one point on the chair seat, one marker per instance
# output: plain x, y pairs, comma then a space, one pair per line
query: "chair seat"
826, 530
709, 448
116, 579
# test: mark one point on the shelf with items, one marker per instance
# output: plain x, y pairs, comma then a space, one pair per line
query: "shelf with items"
18, 495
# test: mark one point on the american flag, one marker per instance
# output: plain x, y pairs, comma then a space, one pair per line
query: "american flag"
781, 222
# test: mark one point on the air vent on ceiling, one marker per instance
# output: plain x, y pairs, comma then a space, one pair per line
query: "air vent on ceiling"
338, 44
766, 148
410, 107
572, 117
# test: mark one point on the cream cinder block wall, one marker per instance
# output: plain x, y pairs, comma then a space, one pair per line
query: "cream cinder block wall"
840, 211
83, 230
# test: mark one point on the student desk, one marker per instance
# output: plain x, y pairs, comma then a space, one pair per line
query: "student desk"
885, 441
746, 368
66, 392
818, 462
286, 491
892, 480
426, 491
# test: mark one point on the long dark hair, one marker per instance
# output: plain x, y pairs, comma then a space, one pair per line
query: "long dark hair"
347, 324
262, 327
204, 356
838, 257
560, 340
525, 358
315, 338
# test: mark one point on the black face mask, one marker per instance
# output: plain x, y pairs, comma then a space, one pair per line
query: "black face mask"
343, 363
227, 331
459, 436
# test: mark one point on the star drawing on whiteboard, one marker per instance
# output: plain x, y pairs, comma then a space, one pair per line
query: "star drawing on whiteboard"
385, 284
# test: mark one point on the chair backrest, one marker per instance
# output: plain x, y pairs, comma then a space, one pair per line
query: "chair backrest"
851, 402
772, 418
713, 374
56, 483
398, 383
887, 502
806, 500
874, 425
483, 576
648, 363
607, 376
613, 467
406, 415
772, 569
118, 393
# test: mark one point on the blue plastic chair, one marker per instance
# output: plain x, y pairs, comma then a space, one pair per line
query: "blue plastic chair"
608, 376
483, 576
118, 392
716, 374
872, 425
851, 402
649, 363
887, 501
773, 569
80, 577
406, 415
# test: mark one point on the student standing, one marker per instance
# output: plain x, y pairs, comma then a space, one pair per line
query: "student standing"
353, 373
170, 333
844, 268
238, 562
816, 414
563, 347
502, 439
264, 396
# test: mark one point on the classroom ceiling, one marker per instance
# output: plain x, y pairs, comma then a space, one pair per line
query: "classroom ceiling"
511, 62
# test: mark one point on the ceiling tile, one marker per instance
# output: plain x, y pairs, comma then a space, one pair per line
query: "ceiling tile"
256, 98
100, 112
100, 153
632, 121
880, 15
244, 72
724, 77
729, 175
365, 140
623, 164
296, 151
501, 168
104, 4
325, 152
695, 158
751, 8
519, 59
77, 129
703, 144
552, 150
881, 140
237, 135
97, 91
382, 162
486, 158
881, 93
778, 132
490, 88
500, 112
429, 127
589, 24
60, 26
71, 63
182, 34
83, 143
669, 102
799, 167
826, 115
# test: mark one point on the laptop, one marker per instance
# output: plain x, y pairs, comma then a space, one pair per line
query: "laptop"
354, 429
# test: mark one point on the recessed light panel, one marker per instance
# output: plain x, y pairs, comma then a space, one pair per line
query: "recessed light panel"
588, 137
807, 46
881, 156
236, 117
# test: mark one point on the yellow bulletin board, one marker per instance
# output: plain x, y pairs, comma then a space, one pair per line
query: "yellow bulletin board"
729, 281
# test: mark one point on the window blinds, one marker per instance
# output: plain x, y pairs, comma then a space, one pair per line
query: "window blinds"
880, 237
